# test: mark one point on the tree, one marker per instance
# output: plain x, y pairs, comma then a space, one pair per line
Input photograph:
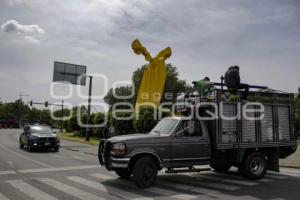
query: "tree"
145, 120
123, 91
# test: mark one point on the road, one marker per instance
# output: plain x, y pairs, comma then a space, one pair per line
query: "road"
74, 175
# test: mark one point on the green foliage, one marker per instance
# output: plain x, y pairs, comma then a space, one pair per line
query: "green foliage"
123, 126
120, 91
98, 118
145, 119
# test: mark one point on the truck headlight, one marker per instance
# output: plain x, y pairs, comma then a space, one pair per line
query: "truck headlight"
118, 149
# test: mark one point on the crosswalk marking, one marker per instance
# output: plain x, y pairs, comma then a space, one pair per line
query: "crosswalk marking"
220, 179
176, 185
265, 180
79, 158
184, 196
101, 176
153, 189
275, 176
105, 188
218, 185
7, 172
69, 189
24, 171
25, 157
31, 191
2, 197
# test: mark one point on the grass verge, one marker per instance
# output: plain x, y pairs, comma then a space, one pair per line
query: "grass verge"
74, 138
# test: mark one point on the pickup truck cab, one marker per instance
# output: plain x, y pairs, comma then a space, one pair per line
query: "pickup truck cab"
172, 143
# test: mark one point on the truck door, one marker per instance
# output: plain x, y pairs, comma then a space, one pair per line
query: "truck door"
190, 142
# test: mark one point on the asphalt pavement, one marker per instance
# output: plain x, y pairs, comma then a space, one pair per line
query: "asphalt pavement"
74, 173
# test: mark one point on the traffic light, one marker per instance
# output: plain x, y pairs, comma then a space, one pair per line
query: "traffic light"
30, 103
46, 104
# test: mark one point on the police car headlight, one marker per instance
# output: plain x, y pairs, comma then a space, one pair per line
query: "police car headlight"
118, 149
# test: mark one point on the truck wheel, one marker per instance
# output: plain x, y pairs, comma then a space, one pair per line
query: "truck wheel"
56, 149
220, 166
21, 145
123, 173
145, 172
254, 166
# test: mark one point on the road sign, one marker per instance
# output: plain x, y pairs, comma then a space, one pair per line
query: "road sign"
66, 72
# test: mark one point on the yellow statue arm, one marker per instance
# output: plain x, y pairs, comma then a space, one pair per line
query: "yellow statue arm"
139, 49
164, 54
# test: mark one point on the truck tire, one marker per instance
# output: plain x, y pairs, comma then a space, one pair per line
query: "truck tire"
145, 172
254, 166
220, 166
21, 145
123, 173
56, 149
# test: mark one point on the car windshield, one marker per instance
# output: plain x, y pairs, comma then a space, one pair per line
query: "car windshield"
165, 126
41, 130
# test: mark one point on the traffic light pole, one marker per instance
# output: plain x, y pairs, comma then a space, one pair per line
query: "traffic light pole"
62, 115
46, 104
87, 130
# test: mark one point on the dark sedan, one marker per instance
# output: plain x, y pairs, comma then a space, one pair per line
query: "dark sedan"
39, 137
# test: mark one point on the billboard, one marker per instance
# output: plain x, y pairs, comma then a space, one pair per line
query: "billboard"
66, 72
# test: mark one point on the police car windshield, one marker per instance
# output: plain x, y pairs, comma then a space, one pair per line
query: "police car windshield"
41, 130
165, 126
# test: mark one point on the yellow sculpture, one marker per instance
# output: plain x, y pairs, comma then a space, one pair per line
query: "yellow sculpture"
154, 76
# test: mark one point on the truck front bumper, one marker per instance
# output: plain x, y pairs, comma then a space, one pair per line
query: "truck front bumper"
109, 161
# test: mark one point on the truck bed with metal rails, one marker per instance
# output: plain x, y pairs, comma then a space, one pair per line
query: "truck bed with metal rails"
273, 125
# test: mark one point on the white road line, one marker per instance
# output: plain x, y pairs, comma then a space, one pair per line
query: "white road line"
2, 197
7, 172
217, 185
184, 196
78, 158
75, 192
102, 176
58, 156
201, 181
153, 189
31, 191
25, 171
25, 157
204, 190
234, 181
265, 180
175, 185
105, 188
275, 176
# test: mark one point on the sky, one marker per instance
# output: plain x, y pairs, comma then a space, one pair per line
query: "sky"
206, 37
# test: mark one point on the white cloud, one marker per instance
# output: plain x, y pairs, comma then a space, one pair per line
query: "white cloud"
31, 39
31, 32
13, 2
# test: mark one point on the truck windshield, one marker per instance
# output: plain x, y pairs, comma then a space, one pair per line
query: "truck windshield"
165, 126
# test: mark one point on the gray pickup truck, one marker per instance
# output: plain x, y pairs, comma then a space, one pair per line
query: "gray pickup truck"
180, 144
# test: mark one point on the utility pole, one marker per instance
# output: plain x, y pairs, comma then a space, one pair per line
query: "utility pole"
23, 95
87, 130
62, 115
